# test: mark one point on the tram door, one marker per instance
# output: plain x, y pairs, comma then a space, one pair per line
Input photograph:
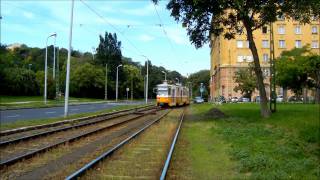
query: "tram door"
173, 95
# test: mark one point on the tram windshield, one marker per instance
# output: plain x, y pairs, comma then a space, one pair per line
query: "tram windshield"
162, 91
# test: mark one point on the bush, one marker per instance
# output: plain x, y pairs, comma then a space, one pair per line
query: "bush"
18, 81
51, 88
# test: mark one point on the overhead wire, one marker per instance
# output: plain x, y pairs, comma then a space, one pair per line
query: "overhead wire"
163, 28
114, 27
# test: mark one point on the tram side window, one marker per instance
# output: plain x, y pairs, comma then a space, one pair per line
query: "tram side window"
169, 91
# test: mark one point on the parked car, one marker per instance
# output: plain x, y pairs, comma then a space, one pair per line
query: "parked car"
198, 100
279, 98
234, 99
220, 99
257, 99
295, 99
244, 99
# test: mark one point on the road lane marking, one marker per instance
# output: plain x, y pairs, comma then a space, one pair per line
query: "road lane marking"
13, 116
50, 112
74, 109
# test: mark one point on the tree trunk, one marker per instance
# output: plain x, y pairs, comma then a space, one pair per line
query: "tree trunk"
285, 94
265, 111
305, 95
317, 95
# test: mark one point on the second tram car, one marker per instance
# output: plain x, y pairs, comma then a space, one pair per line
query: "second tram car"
172, 95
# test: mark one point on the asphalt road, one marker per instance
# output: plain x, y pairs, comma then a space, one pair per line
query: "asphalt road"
9, 116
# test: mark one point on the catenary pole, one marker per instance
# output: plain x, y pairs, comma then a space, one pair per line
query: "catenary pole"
68, 63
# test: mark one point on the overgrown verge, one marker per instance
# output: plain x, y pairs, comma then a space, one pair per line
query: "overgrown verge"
242, 145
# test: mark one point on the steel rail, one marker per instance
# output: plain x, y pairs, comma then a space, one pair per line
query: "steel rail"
167, 163
4, 143
94, 162
29, 128
32, 153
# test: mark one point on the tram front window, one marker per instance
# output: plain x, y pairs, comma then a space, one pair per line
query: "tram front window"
162, 91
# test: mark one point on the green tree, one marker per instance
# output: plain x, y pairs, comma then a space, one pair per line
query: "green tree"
246, 81
19, 81
87, 80
202, 76
297, 69
134, 81
206, 18
50, 84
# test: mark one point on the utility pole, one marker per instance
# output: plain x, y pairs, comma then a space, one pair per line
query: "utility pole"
147, 81
117, 82
46, 69
54, 58
57, 79
131, 88
68, 64
106, 85
273, 102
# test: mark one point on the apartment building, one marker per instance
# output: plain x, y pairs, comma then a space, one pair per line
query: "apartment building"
227, 56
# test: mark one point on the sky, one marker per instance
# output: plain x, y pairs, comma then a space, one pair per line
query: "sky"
135, 22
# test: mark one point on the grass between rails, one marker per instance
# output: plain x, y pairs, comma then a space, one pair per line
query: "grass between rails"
24, 123
244, 145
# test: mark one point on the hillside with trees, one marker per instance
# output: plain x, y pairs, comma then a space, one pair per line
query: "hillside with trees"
22, 71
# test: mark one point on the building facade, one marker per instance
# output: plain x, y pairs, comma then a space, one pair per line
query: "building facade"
227, 56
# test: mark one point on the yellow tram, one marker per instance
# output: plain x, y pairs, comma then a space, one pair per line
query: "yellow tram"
172, 95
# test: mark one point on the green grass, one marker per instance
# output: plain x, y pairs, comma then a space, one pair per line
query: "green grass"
9, 102
24, 123
284, 146
201, 153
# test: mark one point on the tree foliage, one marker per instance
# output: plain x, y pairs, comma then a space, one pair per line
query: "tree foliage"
87, 80
204, 18
297, 69
246, 81
202, 76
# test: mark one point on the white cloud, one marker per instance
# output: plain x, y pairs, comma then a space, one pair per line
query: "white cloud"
144, 11
177, 35
28, 15
145, 37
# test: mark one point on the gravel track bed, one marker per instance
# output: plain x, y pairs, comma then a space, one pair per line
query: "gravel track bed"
72, 155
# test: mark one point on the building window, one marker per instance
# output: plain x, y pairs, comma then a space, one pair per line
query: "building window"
266, 72
265, 43
240, 58
298, 44
298, 29
281, 30
249, 58
265, 57
313, 18
264, 30
239, 44
314, 44
282, 44
280, 17
314, 30
247, 44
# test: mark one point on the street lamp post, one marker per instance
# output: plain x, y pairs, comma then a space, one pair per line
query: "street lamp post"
46, 69
117, 83
165, 75
54, 58
68, 64
147, 81
93, 51
147, 78
106, 85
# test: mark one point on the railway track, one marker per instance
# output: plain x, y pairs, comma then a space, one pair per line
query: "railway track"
165, 146
27, 143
